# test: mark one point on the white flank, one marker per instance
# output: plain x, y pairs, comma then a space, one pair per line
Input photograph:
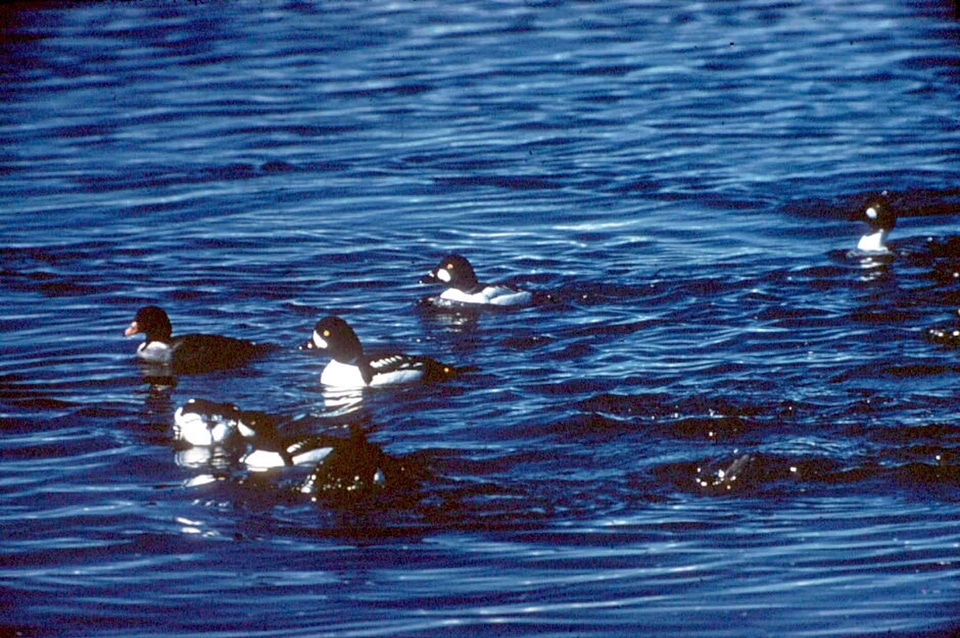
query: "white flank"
342, 375
398, 377
452, 294
263, 460
510, 297
491, 295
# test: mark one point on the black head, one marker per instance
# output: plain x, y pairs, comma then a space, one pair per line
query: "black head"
254, 423
153, 322
257, 425
878, 213
335, 336
454, 271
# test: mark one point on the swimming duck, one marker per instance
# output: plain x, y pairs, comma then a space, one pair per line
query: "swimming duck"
456, 272
352, 367
881, 218
269, 449
191, 352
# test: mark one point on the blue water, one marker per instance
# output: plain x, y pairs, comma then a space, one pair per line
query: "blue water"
672, 179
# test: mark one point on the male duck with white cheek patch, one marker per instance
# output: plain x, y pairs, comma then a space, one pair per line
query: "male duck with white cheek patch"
352, 367
456, 272
881, 218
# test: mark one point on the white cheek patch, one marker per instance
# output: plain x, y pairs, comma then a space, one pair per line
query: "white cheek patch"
872, 213
319, 341
444, 276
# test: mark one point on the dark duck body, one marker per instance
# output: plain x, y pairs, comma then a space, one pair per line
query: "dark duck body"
356, 470
191, 352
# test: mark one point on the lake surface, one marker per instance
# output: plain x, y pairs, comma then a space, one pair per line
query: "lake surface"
715, 421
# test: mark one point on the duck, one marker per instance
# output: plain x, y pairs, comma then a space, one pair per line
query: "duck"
457, 273
268, 449
881, 218
357, 469
205, 423
191, 352
352, 367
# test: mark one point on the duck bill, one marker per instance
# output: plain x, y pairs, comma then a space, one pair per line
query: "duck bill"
430, 278
315, 342
131, 330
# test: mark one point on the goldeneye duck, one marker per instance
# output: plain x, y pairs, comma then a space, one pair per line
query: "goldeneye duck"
880, 216
352, 367
269, 449
204, 423
191, 352
356, 469
456, 272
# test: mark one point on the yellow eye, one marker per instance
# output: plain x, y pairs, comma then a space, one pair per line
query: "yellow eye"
449, 266
326, 333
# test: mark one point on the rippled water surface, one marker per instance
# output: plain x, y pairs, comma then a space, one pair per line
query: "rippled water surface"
714, 421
